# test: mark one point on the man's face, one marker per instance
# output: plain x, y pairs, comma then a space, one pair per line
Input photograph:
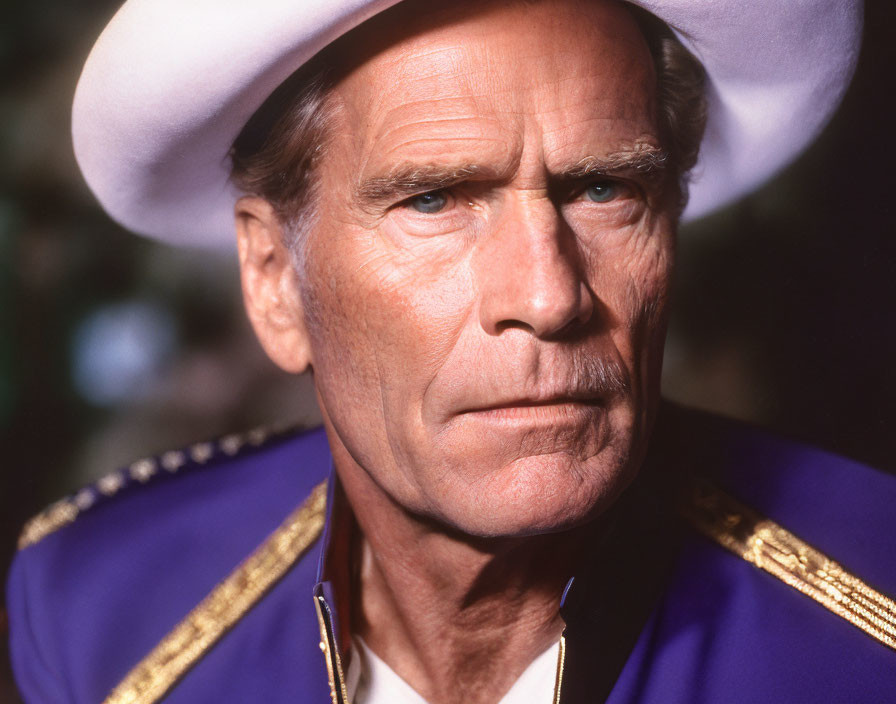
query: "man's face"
485, 291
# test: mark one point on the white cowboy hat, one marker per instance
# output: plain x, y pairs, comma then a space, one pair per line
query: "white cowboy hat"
170, 84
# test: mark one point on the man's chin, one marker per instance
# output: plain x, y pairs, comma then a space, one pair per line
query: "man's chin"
537, 495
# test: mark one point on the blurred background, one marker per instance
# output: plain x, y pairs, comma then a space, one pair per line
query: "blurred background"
113, 347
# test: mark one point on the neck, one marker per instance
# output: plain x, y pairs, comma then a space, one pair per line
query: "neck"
456, 617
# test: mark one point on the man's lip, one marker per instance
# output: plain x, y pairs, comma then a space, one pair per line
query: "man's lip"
528, 402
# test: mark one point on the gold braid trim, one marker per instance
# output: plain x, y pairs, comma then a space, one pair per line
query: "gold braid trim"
770, 547
67, 510
159, 671
48, 521
561, 664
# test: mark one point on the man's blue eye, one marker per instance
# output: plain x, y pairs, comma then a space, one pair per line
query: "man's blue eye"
602, 191
429, 203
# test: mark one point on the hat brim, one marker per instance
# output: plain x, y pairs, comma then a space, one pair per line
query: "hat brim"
170, 84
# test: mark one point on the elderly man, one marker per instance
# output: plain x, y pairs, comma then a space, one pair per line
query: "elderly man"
463, 221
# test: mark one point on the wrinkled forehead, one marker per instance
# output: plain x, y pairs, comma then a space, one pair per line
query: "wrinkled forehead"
414, 24
562, 60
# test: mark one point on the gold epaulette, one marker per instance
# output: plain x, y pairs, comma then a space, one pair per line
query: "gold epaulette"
141, 472
170, 660
770, 547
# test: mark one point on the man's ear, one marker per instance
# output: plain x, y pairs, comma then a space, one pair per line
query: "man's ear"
270, 285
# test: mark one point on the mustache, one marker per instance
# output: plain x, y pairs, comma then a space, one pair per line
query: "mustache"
607, 376
573, 376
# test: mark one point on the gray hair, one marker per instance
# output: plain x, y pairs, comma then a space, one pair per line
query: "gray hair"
275, 155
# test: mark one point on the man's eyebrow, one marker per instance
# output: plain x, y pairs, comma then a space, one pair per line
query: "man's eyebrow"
644, 160
406, 181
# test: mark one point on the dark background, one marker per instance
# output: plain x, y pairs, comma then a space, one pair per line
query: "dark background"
113, 347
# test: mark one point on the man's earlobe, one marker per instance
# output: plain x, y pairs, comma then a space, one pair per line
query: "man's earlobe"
270, 286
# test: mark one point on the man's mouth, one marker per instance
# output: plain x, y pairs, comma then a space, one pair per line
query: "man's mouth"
555, 407
547, 390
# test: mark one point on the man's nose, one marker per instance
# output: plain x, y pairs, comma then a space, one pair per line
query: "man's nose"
530, 274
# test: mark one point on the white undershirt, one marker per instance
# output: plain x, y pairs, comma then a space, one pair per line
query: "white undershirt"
369, 680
